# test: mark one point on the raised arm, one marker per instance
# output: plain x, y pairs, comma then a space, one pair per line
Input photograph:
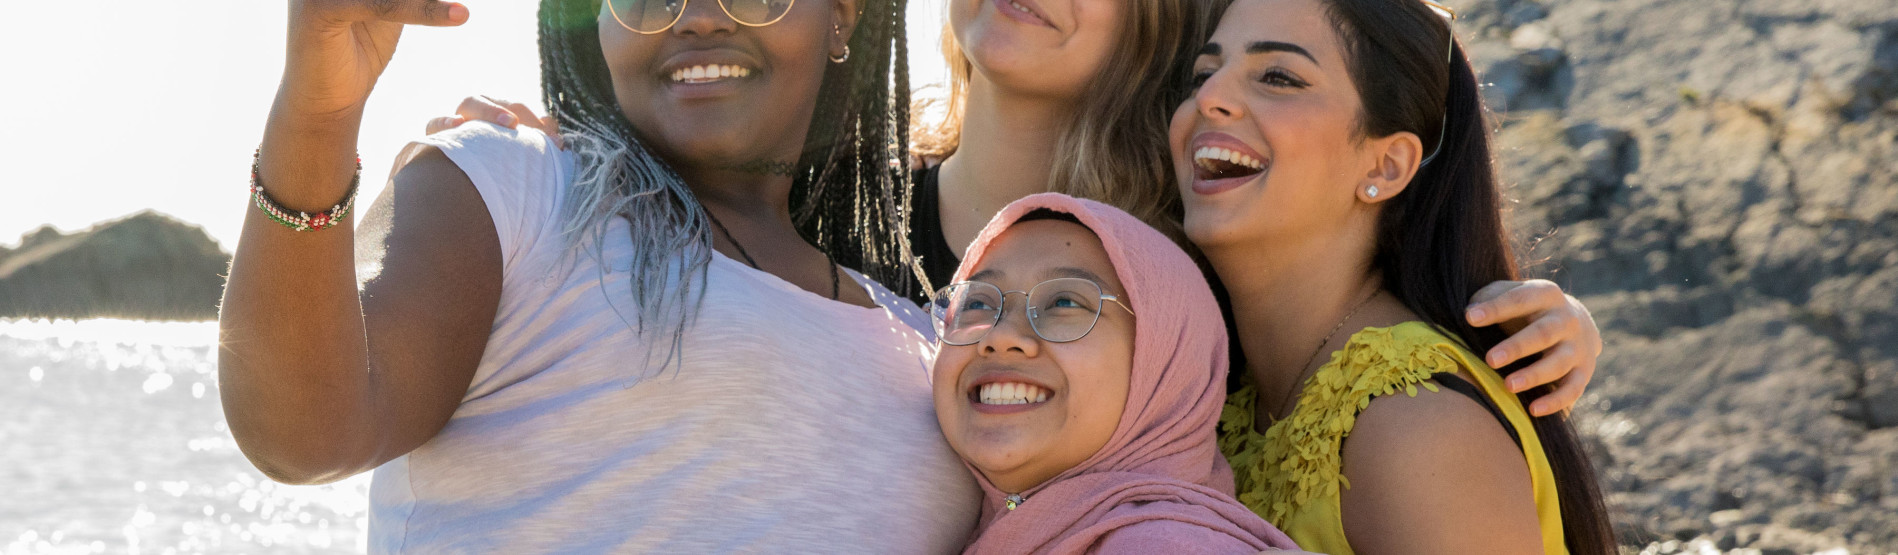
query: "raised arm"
320, 379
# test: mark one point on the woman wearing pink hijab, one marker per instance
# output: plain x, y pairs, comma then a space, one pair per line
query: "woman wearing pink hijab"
1082, 369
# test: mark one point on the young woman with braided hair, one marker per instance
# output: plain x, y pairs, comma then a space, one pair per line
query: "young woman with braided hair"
648, 342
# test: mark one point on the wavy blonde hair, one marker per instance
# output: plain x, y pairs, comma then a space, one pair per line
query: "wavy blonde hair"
1113, 146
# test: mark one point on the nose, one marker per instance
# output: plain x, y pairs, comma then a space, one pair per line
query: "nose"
1217, 98
704, 18
1013, 333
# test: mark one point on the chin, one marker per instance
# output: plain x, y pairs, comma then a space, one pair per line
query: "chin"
1209, 225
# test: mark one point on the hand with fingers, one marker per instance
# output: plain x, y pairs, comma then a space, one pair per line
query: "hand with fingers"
499, 112
1540, 319
337, 51
338, 48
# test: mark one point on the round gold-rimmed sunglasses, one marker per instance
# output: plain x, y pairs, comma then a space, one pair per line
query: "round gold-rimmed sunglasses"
651, 17
1059, 310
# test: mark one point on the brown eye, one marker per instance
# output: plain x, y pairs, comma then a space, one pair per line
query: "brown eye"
1281, 78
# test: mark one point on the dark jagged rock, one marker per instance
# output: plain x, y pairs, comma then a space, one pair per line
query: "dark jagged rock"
1718, 181
145, 266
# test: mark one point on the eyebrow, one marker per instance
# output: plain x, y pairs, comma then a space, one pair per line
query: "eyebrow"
1265, 46
1260, 47
1051, 273
1071, 272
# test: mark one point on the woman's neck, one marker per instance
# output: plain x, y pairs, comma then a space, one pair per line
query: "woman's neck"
1288, 296
1004, 153
755, 191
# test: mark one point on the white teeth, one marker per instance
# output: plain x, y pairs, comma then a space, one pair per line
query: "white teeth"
1225, 155
707, 73
1011, 393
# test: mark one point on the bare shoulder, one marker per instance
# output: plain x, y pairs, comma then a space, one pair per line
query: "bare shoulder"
1436, 473
427, 190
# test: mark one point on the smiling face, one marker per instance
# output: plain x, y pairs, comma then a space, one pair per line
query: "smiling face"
1045, 48
712, 93
1268, 148
1022, 409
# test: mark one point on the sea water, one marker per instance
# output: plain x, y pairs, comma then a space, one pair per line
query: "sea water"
112, 440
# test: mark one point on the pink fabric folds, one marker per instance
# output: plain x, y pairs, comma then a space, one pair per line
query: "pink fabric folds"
1160, 484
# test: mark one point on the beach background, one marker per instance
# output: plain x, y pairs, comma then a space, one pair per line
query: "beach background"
1718, 182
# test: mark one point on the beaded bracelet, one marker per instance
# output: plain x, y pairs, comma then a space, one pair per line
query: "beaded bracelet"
301, 221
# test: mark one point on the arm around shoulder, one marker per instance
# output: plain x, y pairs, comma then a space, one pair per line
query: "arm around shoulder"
1436, 473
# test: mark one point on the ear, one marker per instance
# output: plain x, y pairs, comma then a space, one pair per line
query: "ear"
1394, 160
845, 14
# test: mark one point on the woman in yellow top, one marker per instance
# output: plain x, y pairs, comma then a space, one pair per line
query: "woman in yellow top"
1337, 173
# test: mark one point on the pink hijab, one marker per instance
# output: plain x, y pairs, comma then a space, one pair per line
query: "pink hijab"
1160, 479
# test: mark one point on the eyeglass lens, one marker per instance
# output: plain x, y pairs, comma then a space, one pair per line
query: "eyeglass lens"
1059, 310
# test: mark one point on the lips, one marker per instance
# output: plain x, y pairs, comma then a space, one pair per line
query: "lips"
1024, 11
1222, 162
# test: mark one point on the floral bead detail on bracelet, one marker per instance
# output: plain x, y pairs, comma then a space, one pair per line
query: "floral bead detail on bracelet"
301, 221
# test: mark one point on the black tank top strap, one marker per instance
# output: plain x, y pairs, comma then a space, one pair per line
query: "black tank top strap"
1456, 383
925, 233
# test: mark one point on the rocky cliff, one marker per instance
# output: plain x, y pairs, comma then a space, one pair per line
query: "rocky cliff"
146, 266
1718, 182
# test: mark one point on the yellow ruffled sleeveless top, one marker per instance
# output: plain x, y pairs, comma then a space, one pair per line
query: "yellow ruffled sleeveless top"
1292, 475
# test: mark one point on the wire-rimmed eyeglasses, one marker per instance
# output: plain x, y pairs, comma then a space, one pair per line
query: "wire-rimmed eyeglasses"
649, 17
1059, 310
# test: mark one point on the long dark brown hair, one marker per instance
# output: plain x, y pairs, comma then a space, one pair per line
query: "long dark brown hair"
1444, 237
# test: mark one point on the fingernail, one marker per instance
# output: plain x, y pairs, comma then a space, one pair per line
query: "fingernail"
1476, 315
1538, 409
1496, 358
457, 13
1515, 385
506, 119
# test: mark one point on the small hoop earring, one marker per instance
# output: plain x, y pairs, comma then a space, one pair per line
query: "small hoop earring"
1371, 191
839, 31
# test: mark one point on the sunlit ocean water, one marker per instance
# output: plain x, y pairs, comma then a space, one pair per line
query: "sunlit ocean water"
112, 440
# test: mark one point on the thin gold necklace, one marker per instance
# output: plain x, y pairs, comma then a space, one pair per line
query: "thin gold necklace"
1303, 372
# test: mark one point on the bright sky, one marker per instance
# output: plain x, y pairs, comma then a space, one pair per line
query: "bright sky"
123, 106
